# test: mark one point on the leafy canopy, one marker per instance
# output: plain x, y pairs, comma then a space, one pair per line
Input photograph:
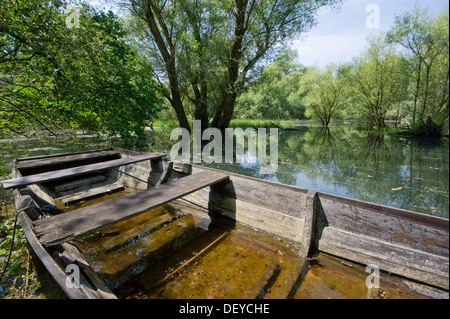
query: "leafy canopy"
57, 75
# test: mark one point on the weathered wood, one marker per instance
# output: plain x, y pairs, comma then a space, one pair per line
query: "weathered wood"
277, 197
65, 159
273, 222
76, 171
79, 183
421, 239
90, 285
309, 224
57, 229
121, 265
397, 259
405, 228
101, 289
41, 191
405, 243
139, 231
64, 154
243, 200
402, 242
167, 171
132, 176
57, 273
91, 193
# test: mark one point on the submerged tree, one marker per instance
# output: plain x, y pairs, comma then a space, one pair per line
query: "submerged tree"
375, 82
323, 92
207, 49
425, 42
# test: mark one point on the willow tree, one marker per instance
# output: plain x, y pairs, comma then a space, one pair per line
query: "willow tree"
376, 84
206, 49
424, 39
274, 94
324, 92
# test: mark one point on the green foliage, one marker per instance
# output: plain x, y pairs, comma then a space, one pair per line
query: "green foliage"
402, 76
376, 85
424, 40
56, 77
206, 51
323, 93
275, 93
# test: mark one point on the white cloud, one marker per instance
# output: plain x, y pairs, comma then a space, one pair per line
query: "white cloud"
341, 35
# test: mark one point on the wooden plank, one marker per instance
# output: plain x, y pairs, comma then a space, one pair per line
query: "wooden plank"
191, 252
57, 229
397, 259
65, 154
76, 171
102, 290
165, 174
87, 284
90, 194
254, 215
413, 230
277, 197
309, 224
139, 231
55, 270
63, 159
79, 183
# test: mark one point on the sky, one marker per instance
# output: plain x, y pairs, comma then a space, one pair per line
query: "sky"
341, 35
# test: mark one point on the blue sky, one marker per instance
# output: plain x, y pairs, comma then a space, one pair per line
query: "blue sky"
341, 35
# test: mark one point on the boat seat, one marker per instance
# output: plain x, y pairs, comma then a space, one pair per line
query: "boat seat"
76, 171
40, 165
60, 228
94, 192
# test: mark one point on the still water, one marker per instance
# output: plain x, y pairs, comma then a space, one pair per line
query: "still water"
406, 173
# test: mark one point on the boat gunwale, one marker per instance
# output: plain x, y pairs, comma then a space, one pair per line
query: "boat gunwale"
431, 220
418, 218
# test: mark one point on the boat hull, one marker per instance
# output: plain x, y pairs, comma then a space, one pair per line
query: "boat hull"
408, 244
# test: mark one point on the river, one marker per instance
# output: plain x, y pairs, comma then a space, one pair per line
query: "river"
411, 174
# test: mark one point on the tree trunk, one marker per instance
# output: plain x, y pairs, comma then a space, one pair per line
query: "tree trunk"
201, 103
168, 55
225, 113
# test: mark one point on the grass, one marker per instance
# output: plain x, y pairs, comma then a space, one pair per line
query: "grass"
259, 123
25, 276
242, 123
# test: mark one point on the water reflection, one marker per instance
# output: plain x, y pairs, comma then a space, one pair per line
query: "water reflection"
411, 174
388, 170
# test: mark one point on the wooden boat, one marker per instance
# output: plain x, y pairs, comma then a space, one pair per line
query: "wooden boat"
139, 225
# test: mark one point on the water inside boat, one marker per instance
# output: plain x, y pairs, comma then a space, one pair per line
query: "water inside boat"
179, 250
